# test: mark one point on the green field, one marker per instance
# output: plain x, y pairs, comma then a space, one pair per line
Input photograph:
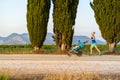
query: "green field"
48, 49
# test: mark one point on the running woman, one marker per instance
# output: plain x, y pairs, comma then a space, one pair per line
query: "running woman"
94, 44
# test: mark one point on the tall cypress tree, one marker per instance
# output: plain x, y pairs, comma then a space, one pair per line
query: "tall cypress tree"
37, 19
64, 15
107, 15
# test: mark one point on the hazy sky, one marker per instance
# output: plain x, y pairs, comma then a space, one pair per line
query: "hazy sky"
13, 18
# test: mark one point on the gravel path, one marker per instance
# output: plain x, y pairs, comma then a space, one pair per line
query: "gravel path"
36, 64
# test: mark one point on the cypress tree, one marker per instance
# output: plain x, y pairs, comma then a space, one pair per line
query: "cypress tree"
64, 14
107, 15
37, 19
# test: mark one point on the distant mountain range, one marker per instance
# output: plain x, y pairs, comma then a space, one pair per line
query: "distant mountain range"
15, 38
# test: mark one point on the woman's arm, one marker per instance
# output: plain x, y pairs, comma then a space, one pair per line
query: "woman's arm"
92, 37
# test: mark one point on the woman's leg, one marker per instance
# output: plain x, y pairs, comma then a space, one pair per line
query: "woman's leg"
97, 49
91, 47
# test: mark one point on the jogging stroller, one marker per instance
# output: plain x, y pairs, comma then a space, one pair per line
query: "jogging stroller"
76, 48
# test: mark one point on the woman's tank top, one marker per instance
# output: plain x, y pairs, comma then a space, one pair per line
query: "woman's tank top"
93, 40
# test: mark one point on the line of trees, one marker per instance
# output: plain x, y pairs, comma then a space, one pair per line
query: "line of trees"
64, 13
63, 17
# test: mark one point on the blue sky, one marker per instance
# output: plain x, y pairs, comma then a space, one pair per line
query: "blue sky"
13, 18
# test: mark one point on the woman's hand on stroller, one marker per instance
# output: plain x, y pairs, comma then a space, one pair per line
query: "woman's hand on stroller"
86, 41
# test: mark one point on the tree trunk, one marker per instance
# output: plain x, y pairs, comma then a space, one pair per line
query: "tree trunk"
36, 48
112, 47
63, 44
63, 47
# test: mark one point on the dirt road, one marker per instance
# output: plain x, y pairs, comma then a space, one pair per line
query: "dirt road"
36, 64
58, 57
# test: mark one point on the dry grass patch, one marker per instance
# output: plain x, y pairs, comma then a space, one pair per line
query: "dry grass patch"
60, 76
63, 76
73, 76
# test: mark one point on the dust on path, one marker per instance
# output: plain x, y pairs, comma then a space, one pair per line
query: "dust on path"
58, 57
36, 64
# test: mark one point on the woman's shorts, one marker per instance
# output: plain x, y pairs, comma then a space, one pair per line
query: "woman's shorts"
94, 44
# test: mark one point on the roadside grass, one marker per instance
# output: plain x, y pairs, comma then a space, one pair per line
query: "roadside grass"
50, 49
3, 77
86, 49
103, 48
75, 76
63, 76
15, 49
26, 49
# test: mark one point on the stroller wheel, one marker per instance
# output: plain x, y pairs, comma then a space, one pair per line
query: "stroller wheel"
79, 53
